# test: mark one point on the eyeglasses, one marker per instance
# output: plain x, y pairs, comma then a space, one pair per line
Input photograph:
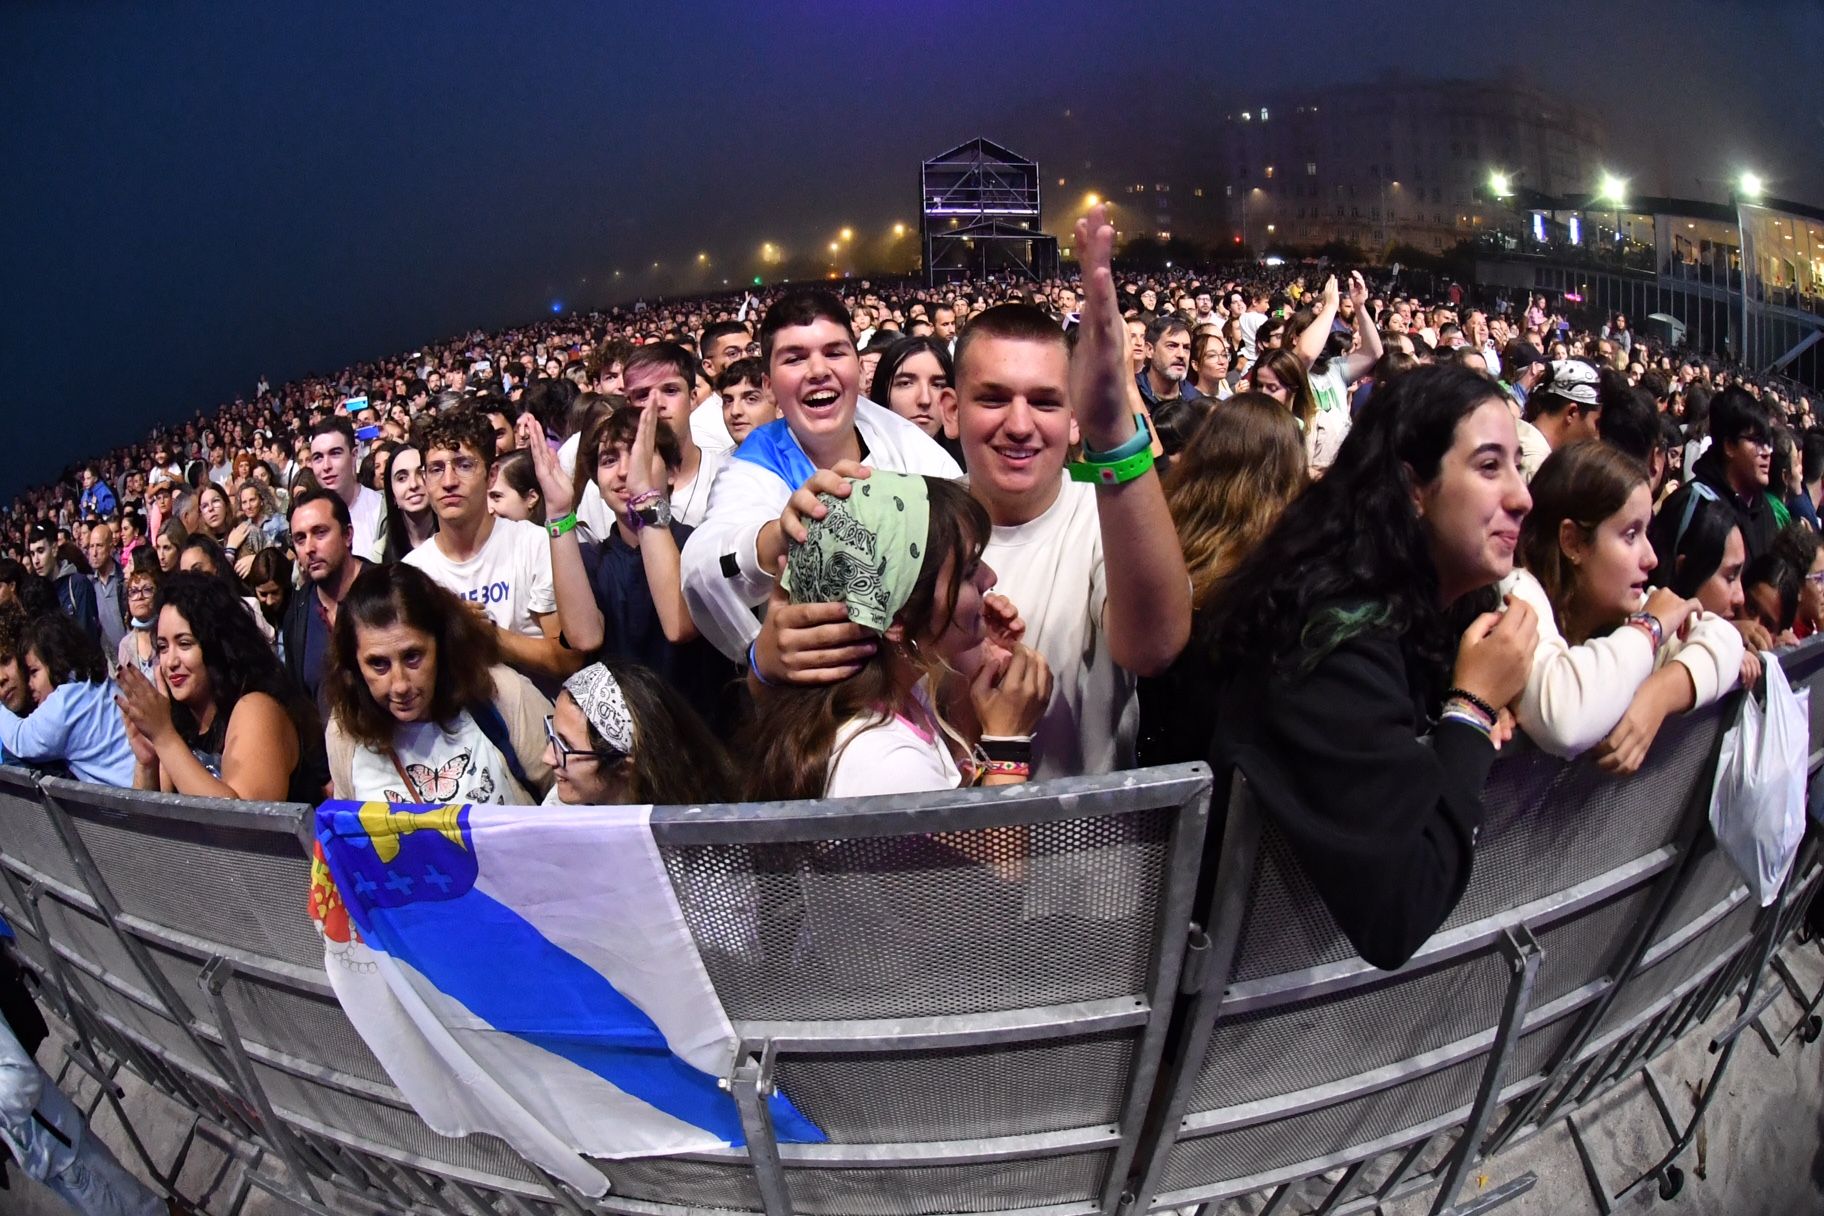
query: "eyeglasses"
465, 466
1816, 578
564, 751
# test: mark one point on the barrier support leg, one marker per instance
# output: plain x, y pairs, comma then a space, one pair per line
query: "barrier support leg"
751, 1082
214, 979
82, 1052
1523, 955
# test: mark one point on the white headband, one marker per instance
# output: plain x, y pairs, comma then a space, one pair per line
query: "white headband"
598, 695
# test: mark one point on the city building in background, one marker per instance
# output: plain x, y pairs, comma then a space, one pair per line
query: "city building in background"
1389, 163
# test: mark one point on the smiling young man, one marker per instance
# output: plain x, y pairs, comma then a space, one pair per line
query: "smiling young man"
333, 460
814, 374
1090, 561
721, 344
503, 566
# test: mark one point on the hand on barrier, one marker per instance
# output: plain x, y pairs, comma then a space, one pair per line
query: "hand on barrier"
1673, 611
1666, 692
1496, 653
809, 643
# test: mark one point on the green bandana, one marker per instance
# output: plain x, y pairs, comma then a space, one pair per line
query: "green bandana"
867, 552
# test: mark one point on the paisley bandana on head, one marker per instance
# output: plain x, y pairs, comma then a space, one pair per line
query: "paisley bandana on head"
598, 694
867, 552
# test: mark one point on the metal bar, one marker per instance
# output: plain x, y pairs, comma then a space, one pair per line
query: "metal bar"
751, 1082
1523, 957
214, 978
1222, 920
1598, 1190
1497, 1196
1340, 1191
1280, 1197
1408, 1159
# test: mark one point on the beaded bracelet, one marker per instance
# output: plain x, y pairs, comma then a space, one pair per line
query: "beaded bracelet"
1461, 706
1485, 729
1651, 625
1005, 768
640, 500
1482, 707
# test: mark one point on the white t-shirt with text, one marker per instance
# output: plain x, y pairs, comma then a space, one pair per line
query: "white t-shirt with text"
510, 577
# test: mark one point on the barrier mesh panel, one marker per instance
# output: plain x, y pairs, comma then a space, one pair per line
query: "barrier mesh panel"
704, 1184
26, 833
1311, 1135
387, 1127
1710, 878
257, 901
952, 1094
928, 1190
1726, 937
278, 1016
909, 926
1547, 826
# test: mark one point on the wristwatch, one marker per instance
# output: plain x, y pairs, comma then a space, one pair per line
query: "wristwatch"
655, 515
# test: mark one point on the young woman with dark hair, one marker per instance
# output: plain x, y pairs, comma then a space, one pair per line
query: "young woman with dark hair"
270, 578
216, 510
224, 721
513, 489
421, 711
1701, 556
903, 554
1225, 490
911, 378
619, 734
1612, 662
202, 555
410, 521
1351, 632
169, 543
72, 723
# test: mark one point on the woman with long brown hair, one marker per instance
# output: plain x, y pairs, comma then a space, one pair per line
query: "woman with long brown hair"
904, 554
1225, 490
1281, 375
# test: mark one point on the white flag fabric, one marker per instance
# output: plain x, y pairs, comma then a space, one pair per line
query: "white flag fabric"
527, 972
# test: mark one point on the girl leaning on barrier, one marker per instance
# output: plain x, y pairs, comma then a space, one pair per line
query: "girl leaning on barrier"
619, 734
222, 720
1364, 622
1701, 555
71, 725
1612, 662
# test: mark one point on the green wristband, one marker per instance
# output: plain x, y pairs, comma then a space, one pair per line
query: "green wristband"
1113, 473
557, 527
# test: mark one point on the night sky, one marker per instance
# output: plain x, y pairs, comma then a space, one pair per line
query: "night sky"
197, 194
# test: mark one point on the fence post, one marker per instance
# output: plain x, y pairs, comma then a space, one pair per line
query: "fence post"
751, 1082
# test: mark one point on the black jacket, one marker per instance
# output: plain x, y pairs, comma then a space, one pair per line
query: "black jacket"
76, 596
1384, 822
1754, 514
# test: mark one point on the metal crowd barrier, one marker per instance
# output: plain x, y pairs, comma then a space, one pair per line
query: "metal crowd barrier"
1006, 1000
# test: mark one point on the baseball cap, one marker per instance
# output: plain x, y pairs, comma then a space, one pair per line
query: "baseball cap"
1520, 355
1573, 380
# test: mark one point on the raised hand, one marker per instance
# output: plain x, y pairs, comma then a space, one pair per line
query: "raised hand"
1101, 386
560, 494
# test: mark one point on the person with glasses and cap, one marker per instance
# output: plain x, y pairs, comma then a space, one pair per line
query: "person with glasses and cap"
618, 734
1738, 465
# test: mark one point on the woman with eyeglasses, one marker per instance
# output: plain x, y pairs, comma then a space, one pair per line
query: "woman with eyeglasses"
421, 711
1612, 661
1210, 364
138, 648
618, 734
1701, 557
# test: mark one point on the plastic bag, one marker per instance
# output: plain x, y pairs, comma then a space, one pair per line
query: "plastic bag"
1757, 807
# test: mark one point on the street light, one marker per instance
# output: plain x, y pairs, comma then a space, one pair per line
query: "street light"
834, 247
1091, 199
1614, 191
1752, 185
899, 230
1500, 185
847, 234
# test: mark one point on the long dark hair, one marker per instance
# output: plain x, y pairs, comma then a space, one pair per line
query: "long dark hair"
896, 353
1350, 553
239, 660
789, 741
210, 548
677, 760
65, 650
398, 539
1688, 535
398, 594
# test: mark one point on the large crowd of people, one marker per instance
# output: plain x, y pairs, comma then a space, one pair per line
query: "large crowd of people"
868, 539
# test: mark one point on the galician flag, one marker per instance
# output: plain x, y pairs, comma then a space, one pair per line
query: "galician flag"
526, 971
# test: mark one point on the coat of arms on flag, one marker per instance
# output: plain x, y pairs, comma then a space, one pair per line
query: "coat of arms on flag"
526, 971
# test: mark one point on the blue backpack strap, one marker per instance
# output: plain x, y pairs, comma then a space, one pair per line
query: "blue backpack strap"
487, 716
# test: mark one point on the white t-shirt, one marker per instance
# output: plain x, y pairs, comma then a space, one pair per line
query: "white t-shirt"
1330, 425
368, 514
510, 577
897, 756
690, 500
457, 765
709, 428
1052, 569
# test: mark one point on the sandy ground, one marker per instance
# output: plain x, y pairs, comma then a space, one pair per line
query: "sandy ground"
1761, 1152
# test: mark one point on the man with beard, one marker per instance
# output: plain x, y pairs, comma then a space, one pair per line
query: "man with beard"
1164, 380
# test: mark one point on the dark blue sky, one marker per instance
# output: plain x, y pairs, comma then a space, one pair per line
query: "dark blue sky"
200, 193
